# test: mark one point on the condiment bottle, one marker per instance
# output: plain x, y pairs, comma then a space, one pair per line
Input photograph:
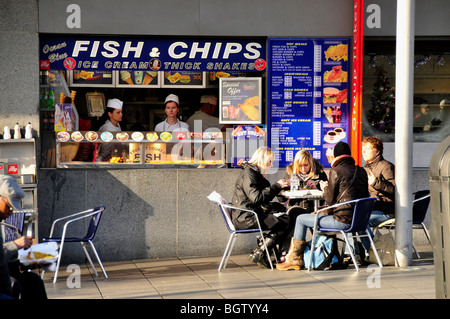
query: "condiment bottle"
6, 133
28, 131
17, 134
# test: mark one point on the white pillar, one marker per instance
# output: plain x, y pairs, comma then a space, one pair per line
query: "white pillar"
404, 93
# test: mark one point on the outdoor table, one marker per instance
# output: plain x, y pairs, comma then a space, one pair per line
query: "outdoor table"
308, 194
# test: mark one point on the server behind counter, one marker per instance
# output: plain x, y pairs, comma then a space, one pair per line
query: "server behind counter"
171, 123
112, 124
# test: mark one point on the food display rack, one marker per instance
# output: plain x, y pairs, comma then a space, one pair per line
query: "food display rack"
160, 149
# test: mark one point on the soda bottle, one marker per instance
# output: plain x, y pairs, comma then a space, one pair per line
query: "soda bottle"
44, 100
51, 99
295, 183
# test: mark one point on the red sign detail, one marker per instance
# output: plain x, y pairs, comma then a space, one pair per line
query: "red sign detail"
13, 169
260, 64
44, 64
69, 63
356, 137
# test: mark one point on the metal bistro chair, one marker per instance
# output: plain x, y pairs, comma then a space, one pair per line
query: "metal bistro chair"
361, 214
420, 208
226, 214
95, 215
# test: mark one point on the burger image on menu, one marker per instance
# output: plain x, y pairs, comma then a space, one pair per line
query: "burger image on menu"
185, 78
334, 95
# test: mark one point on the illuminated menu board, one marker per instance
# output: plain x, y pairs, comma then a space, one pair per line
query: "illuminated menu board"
308, 107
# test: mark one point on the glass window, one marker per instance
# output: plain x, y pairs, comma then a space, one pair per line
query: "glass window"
431, 91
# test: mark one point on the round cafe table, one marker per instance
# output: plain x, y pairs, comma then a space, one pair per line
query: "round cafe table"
309, 194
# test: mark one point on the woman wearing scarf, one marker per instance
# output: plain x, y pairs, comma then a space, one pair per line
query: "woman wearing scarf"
310, 172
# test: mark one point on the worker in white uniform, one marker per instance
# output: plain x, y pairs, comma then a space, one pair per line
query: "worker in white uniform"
114, 111
204, 118
171, 123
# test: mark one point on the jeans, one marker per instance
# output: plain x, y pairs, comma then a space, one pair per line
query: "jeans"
306, 221
376, 218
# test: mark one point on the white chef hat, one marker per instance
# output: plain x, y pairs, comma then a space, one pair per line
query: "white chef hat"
208, 99
172, 98
444, 103
115, 104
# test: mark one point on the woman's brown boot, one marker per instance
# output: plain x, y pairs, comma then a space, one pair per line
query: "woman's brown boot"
294, 258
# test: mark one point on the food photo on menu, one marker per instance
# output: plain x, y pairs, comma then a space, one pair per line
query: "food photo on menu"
334, 135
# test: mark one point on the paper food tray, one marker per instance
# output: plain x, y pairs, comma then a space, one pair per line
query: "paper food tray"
46, 248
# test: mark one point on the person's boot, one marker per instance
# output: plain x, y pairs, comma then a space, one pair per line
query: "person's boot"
257, 254
294, 258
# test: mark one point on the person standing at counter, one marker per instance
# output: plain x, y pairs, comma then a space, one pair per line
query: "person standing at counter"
205, 115
112, 124
171, 123
114, 112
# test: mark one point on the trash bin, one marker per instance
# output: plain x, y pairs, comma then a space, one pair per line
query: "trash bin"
440, 217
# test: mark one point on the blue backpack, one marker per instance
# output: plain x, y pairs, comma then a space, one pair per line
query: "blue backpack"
325, 254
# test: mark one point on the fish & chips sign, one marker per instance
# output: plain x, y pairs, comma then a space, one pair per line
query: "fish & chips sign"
153, 54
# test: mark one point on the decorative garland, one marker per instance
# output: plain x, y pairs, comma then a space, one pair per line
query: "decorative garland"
424, 59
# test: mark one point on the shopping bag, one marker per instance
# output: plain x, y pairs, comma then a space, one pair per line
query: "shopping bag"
385, 246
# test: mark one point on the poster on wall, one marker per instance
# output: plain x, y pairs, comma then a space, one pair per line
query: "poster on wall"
184, 79
240, 100
98, 78
308, 107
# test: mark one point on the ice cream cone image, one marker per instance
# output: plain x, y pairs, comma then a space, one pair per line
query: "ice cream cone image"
138, 77
149, 76
126, 76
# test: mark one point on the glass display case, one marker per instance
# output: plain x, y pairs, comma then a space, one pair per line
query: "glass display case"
128, 149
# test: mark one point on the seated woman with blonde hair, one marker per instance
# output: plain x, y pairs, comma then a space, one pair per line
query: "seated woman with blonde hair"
254, 192
310, 173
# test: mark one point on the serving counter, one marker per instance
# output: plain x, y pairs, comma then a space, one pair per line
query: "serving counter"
127, 149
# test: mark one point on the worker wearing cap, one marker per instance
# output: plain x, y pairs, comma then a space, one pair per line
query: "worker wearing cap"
171, 123
114, 111
204, 118
112, 124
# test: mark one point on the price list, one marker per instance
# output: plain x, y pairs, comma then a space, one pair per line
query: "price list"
308, 83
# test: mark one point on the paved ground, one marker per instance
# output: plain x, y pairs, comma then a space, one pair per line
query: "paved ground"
198, 279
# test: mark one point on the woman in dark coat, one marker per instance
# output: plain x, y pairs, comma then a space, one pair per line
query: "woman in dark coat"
343, 169
254, 192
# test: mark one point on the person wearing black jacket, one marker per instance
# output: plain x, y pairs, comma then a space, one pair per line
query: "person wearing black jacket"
346, 181
254, 192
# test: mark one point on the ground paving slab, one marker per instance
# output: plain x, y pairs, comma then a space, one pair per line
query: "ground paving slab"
197, 278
